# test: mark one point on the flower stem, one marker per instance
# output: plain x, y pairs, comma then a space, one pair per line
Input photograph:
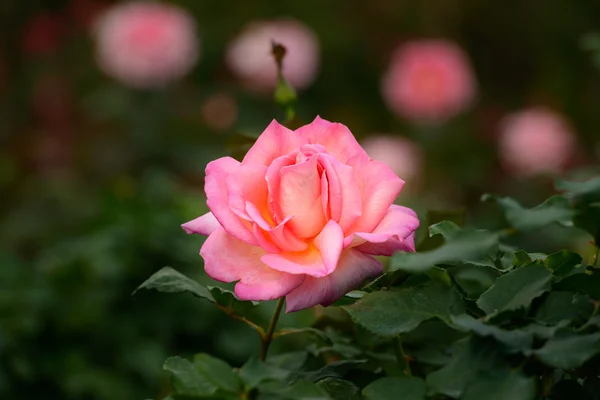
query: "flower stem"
266, 339
401, 356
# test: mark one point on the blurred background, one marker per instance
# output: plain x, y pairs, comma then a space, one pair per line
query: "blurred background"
109, 112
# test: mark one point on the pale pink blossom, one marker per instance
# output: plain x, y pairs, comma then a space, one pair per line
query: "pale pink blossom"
146, 44
249, 54
301, 216
535, 141
428, 81
402, 155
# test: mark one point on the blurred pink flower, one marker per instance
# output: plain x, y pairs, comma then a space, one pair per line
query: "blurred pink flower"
249, 54
428, 80
535, 141
146, 44
402, 155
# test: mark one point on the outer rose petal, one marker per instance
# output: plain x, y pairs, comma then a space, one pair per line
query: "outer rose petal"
379, 187
335, 137
353, 268
247, 184
300, 197
227, 259
318, 260
395, 232
275, 141
203, 225
218, 200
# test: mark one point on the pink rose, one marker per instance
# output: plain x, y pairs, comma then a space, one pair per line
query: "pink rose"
301, 216
428, 80
536, 141
146, 44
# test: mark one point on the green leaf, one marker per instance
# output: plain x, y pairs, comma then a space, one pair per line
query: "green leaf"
433, 218
299, 390
187, 380
168, 280
581, 192
218, 372
500, 385
396, 311
254, 372
544, 332
561, 306
581, 283
474, 279
230, 301
335, 369
447, 229
521, 258
553, 209
393, 388
466, 246
514, 340
563, 263
430, 341
516, 289
470, 356
317, 333
568, 350
340, 389
292, 361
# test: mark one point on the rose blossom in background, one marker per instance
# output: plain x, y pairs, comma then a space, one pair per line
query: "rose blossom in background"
249, 54
428, 81
146, 44
535, 141
402, 155
301, 216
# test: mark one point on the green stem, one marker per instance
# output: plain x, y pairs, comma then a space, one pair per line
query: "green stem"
401, 356
251, 324
266, 339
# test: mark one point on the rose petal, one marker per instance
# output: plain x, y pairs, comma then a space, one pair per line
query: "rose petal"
395, 232
227, 259
300, 197
277, 239
344, 204
248, 184
203, 225
273, 178
353, 268
318, 260
335, 137
275, 141
218, 200
285, 239
379, 187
